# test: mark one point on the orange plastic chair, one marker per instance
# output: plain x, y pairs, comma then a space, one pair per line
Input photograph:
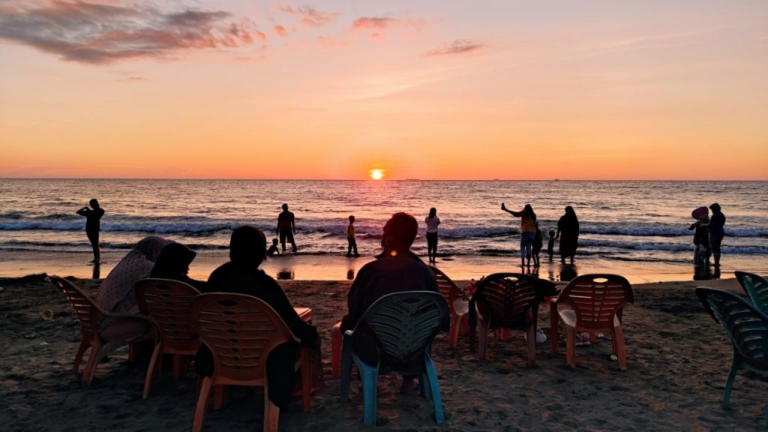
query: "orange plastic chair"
457, 306
101, 343
596, 303
166, 302
508, 301
241, 331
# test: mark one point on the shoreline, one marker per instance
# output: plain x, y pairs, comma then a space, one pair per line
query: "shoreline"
340, 268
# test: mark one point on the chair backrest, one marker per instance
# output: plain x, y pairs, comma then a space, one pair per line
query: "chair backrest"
166, 302
597, 298
240, 330
87, 313
756, 288
448, 289
405, 324
505, 298
746, 326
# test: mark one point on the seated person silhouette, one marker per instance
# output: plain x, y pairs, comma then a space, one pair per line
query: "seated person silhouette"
396, 269
173, 263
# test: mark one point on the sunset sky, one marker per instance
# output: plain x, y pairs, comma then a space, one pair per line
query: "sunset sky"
420, 89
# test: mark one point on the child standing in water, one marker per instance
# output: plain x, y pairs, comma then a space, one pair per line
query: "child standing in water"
351, 238
551, 244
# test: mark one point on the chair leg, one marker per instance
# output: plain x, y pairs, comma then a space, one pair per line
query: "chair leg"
455, 330
101, 351
306, 378
482, 337
503, 335
553, 323
621, 353
151, 370
90, 365
346, 369
219, 395
729, 384
424, 388
84, 344
202, 404
177, 365
271, 413
131, 352
336, 337
370, 377
434, 388
530, 333
570, 346
592, 337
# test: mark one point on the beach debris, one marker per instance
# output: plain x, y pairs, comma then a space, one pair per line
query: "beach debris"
1, 289
613, 357
43, 343
30, 336
47, 314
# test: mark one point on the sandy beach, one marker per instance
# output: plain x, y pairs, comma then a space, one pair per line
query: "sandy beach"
678, 362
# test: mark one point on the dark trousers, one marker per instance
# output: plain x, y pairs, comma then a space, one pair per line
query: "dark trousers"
352, 245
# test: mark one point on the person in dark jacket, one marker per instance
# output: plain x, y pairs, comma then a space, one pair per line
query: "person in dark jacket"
242, 275
173, 263
568, 233
93, 226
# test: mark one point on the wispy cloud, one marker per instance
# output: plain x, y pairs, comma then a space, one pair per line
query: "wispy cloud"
134, 79
309, 15
280, 30
375, 23
459, 46
101, 33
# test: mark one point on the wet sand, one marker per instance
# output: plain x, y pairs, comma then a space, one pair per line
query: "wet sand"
678, 361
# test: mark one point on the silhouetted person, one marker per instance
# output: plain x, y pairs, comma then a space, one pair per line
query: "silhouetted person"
241, 275
93, 226
273, 249
351, 240
432, 222
701, 240
286, 227
716, 231
396, 269
173, 263
551, 245
527, 231
568, 232
538, 243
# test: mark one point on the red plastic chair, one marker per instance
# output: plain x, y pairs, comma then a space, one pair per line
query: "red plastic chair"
241, 331
101, 343
596, 302
457, 306
166, 302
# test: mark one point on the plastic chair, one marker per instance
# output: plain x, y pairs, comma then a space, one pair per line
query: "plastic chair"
747, 328
241, 331
166, 302
596, 303
404, 323
457, 306
508, 301
756, 288
101, 343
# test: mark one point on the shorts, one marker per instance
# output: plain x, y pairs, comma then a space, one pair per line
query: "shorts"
286, 235
715, 240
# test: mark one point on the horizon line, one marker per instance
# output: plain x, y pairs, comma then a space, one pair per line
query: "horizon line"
382, 180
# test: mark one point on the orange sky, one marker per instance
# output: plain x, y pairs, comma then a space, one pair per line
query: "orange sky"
430, 90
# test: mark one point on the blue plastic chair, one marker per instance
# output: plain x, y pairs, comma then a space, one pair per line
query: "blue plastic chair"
404, 325
756, 288
747, 329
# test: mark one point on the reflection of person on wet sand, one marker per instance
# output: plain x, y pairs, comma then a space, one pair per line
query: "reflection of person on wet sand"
93, 226
286, 227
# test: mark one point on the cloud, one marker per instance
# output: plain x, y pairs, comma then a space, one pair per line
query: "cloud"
459, 46
107, 32
375, 23
309, 15
280, 30
134, 79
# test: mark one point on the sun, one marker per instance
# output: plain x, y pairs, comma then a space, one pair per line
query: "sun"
377, 174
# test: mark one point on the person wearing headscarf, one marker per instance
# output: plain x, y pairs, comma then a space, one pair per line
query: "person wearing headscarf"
173, 263
241, 275
568, 232
116, 292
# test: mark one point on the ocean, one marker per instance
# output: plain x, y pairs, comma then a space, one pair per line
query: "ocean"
624, 224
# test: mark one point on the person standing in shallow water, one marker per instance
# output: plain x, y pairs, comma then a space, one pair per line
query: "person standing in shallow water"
527, 231
716, 231
432, 222
286, 227
568, 233
93, 226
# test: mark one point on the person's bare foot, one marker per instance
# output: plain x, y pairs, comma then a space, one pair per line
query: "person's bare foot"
409, 385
